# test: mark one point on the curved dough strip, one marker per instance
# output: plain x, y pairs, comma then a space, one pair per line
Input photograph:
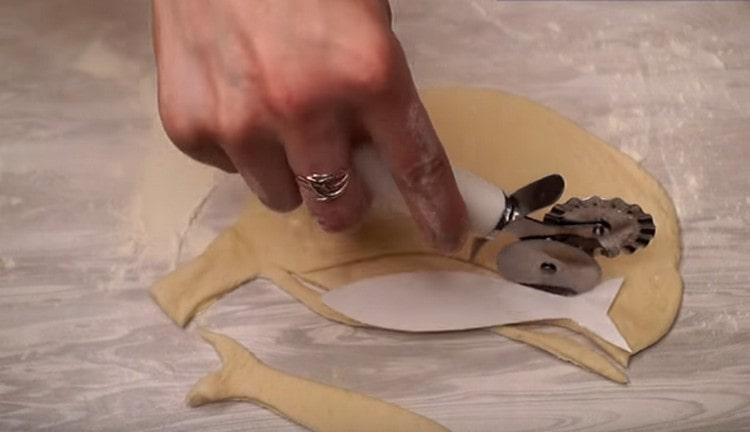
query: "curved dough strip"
565, 349
618, 354
318, 407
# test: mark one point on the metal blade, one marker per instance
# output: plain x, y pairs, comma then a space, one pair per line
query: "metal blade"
549, 265
539, 194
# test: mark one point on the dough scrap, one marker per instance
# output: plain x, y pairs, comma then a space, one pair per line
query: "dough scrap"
507, 140
566, 349
316, 406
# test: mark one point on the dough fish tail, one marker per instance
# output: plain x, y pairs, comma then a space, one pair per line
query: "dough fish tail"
316, 406
237, 367
227, 262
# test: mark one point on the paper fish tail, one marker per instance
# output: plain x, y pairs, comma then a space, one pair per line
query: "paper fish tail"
593, 308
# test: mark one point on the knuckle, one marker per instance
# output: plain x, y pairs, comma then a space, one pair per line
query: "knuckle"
183, 130
373, 66
287, 101
366, 66
233, 126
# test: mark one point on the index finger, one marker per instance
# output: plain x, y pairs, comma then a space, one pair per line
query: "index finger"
401, 130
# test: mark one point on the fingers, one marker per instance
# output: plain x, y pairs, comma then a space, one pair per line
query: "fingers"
201, 148
263, 165
403, 133
323, 146
257, 157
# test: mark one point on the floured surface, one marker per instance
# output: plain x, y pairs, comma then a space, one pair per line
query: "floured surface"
84, 347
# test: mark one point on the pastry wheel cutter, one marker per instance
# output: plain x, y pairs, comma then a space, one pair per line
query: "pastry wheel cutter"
555, 254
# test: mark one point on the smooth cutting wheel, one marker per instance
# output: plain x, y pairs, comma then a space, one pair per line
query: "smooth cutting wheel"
549, 265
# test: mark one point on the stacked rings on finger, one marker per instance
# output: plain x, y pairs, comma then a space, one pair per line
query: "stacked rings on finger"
326, 187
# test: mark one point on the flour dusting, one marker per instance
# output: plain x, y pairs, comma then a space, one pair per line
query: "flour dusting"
7, 263
170, 192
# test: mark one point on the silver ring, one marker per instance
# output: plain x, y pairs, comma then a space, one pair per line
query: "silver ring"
327, 187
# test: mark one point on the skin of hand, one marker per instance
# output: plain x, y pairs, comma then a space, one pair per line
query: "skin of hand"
274, 89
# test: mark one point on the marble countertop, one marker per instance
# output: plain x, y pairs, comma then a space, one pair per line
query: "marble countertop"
86, 214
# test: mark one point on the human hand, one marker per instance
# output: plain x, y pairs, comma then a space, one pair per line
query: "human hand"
275, 89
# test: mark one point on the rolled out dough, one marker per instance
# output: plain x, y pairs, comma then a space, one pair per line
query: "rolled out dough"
509, 141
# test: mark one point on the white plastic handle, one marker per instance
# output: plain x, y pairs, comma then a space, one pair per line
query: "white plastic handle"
485, 202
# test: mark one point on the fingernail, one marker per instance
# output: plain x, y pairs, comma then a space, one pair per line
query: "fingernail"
441, 239
449, 239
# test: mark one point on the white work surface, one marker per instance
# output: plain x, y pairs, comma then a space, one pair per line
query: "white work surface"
82, 347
